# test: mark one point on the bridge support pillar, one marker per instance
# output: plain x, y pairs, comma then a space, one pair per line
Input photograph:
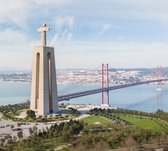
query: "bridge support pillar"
105, 85
159, 74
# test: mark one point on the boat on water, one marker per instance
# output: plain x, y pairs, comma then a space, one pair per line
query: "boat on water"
158, 89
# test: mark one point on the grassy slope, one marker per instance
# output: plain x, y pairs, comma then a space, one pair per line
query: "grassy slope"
144, 123
91, 120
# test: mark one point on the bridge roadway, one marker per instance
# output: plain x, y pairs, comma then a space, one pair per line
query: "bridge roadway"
67, 97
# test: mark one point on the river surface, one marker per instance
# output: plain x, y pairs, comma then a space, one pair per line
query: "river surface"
143, 98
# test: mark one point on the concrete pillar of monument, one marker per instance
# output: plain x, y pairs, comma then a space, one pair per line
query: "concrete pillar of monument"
44, 97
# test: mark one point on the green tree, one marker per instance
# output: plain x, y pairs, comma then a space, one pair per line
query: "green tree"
20, 134
12, 126
31, 131
14, 138
31, 114
34, 130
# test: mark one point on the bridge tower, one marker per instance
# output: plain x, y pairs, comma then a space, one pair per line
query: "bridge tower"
44, 99
105, 85
159, 75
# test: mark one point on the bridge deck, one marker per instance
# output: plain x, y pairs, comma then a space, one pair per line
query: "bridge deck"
94, 91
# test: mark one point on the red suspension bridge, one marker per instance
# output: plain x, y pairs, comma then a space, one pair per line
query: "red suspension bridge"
106, 88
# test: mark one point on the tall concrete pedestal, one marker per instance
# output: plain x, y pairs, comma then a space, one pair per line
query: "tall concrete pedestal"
44, 98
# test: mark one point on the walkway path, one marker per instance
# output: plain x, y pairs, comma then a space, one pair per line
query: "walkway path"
5, 126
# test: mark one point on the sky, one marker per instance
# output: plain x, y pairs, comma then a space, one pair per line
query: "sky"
86, 33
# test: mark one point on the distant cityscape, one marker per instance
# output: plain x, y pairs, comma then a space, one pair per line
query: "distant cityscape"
90, 76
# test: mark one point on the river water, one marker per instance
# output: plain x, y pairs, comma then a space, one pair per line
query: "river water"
143, 98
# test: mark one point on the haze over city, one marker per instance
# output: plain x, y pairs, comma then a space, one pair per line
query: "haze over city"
124, 33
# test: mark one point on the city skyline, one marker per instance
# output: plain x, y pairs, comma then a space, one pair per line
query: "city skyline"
126, 34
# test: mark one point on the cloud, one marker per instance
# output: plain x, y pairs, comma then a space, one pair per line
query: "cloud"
18, 61
120, 9
90, 54
64, 28
14, 37
104, 28
69, 36
64, 22
76, 25
22, 11
17, 12
119, 54
94, 47
55, 2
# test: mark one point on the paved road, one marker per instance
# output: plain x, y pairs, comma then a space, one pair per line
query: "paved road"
5, 128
